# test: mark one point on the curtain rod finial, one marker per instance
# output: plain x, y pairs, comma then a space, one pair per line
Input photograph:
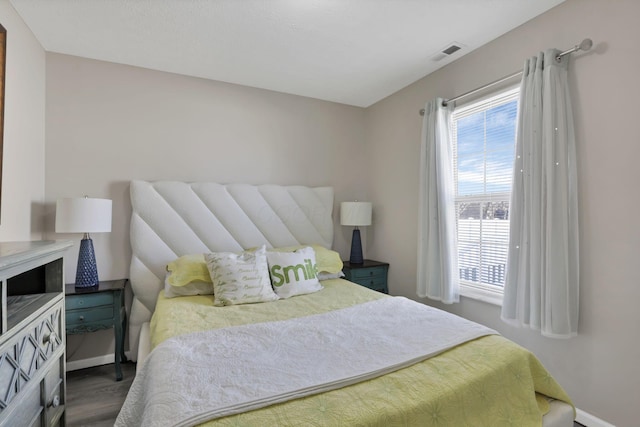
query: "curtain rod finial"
586, 44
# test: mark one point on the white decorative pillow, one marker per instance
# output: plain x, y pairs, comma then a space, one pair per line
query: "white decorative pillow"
294, 273
240, 278
328, 261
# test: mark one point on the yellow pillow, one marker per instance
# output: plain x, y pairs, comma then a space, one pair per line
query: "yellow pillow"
327, 260
187, 269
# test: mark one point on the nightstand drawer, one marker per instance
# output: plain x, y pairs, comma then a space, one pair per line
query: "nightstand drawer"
366, 273
85, 316
371, 274
88, 300
377, 283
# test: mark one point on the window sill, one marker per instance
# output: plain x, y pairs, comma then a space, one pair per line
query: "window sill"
480, 294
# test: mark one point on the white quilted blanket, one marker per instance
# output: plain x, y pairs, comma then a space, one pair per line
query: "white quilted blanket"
193, 378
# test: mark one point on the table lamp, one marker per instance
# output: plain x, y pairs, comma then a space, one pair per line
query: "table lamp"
356, 214
84, 215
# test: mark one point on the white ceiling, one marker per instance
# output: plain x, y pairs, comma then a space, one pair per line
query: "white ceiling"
349, 51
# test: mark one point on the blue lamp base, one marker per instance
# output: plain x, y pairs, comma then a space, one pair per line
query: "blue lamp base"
356, 248
87, 271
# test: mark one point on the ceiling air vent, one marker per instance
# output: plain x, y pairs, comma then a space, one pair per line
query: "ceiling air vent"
451, 49
447, 51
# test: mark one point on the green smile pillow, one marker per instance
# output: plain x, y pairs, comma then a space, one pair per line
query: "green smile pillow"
293, 273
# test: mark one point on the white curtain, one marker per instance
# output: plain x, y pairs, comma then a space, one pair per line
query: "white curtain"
541, 288
438, 276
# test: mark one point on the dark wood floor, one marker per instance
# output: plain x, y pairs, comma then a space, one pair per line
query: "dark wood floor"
94, 397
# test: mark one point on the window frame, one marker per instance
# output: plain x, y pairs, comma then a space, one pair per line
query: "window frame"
483, 292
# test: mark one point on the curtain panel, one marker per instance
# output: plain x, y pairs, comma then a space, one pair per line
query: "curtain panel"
541, 287
438, 276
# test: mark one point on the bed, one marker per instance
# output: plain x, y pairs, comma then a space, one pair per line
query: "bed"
390, 376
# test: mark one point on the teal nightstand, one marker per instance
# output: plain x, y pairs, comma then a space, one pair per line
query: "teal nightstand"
100, 307
372, 274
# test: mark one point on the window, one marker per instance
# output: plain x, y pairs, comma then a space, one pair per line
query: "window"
484, 135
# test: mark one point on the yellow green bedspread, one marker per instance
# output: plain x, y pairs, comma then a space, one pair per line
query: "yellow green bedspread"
490, 381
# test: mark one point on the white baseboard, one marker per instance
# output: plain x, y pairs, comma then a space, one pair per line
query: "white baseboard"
74, 365
107, 359
589, 420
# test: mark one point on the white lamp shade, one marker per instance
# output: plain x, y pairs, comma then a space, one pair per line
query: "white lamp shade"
355, 213
83, 215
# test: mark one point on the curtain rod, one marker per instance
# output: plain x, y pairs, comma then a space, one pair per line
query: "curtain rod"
584, 45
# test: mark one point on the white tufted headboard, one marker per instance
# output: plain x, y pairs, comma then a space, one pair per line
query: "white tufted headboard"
171, 219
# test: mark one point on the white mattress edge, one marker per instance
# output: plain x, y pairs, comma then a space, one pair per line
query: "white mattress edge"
560, 415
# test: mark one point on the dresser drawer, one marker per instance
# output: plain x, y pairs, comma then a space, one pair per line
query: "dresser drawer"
88, 300
54, 395
91, 315
53, 380
27, 412
36, 351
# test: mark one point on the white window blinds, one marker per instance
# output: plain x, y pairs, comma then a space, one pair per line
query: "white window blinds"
484, 145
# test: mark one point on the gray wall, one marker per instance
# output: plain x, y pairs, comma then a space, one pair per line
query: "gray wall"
599, 368
23, 145
108, 124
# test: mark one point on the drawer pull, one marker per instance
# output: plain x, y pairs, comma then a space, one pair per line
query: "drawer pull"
49, 338
55, 402
81, 318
